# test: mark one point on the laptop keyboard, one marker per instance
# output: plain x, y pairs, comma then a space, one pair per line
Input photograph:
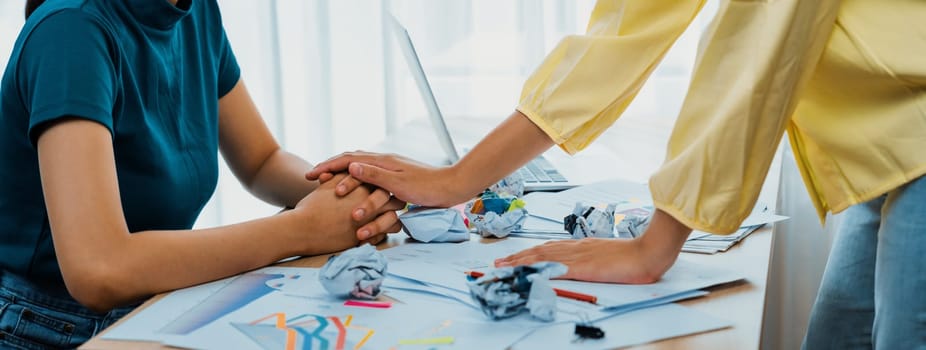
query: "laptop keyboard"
540, 170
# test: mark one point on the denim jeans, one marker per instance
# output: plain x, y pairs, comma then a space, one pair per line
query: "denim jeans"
31, 319
873, 293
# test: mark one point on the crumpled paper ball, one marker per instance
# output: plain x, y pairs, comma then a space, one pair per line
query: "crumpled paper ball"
437, 225
506, 292
498, 226
588, 221
356, 272
495, 215
512, 185
633, 225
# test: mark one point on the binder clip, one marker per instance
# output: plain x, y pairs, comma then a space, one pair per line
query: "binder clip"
584, 328
588, 331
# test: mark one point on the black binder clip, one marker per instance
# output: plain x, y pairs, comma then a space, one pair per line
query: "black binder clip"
588, 331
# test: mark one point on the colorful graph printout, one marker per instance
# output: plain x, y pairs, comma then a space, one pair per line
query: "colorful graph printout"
306, 331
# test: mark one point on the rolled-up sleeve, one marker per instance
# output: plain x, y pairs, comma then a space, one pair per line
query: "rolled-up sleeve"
752, 63
587, 81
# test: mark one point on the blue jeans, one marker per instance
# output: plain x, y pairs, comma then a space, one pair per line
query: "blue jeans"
31, 319
873, 293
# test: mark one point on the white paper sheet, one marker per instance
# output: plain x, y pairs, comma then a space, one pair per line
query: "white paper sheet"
188, 309
442, 264
557, 205
256, 324
267, 308
638, 327
539, 224
676, 284
554, 206
395, 285
369, 328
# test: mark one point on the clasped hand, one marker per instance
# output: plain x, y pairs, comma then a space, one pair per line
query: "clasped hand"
330, 211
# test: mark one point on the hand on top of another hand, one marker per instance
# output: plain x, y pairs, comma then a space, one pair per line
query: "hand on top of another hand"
406, 179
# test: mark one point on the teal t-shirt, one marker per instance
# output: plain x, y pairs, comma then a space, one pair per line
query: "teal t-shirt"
150, 72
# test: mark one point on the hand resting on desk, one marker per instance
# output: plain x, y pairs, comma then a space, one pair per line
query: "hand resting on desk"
636, 261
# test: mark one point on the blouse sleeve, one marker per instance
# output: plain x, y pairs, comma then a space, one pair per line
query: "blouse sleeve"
587, 81
752, 63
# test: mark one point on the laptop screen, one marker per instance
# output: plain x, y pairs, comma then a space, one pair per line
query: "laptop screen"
421, 80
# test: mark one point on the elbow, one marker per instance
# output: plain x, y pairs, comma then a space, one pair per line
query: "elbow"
96, 287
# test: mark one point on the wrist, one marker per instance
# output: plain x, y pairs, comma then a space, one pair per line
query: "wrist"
290, 231
662, 242
459, 185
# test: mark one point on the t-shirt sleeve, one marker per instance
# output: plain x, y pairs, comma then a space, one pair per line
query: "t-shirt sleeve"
66, 70
229, 72
587, 81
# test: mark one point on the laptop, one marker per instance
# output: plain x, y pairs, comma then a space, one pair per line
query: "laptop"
539, 174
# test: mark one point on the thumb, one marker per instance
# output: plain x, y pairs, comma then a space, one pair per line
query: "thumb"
374, 175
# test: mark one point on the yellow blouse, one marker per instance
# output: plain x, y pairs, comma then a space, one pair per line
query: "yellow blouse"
846, 79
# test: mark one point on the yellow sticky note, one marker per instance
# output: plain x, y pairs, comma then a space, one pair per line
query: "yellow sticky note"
427, 341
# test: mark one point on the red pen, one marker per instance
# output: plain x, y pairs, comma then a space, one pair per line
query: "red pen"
559, 292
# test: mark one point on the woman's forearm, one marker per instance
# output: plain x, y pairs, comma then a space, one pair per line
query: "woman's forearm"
117, 267
103, 265
509, 146
662, 242
139, 265
280, 180
253, 155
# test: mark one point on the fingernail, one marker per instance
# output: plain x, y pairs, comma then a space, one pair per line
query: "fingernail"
358, 213
364, 234
341, 189
356, 169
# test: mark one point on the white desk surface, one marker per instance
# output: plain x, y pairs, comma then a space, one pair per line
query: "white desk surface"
630, 152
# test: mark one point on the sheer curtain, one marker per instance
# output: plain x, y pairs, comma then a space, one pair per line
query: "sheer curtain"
11, 20
327, 78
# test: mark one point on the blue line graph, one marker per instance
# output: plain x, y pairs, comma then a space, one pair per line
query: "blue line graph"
236, 294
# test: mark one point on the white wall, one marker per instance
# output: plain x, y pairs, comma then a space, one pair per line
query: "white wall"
800, 249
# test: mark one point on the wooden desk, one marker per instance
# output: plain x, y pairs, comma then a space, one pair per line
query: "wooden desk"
740, 303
